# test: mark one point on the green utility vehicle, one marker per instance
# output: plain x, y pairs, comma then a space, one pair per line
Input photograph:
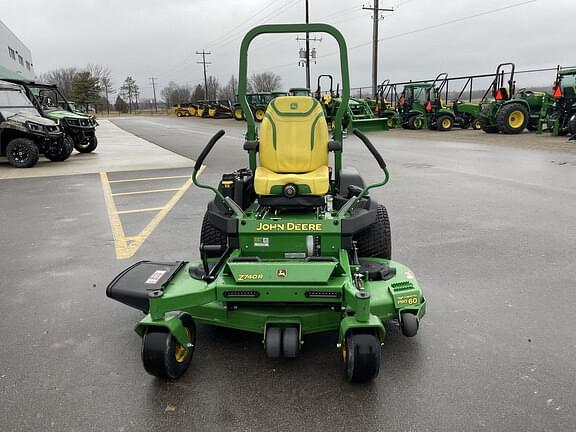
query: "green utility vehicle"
289, 247
558, 113
510, 111
420, 106
79, 128
24, 133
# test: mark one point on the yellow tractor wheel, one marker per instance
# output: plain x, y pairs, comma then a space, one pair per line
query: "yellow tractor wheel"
238, 115
259, 114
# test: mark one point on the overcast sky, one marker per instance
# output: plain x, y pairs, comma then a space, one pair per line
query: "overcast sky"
145, 38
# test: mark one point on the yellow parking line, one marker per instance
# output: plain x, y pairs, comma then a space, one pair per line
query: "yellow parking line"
147, 179
117, 230
144, 192
140, 210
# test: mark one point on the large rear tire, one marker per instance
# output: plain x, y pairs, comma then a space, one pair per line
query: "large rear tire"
415, 122
375, 241
210, 235
512, 118
444, 123
22, 153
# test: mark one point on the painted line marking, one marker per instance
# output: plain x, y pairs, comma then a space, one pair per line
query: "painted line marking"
140, 210
127, 246
145, 192
148, 178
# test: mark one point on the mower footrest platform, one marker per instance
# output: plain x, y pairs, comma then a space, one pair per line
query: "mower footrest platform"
137, 283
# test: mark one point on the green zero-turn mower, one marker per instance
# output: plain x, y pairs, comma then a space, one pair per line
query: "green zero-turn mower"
289, 247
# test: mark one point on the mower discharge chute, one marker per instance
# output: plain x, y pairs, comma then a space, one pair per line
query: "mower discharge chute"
289, 246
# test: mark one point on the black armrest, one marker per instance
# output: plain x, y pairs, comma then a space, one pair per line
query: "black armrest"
334, 146
251, 145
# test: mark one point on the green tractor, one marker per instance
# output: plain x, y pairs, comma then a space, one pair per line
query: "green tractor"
510, 111
257, 103
289, 246
79, 128
386, 101
558, 113
420, 106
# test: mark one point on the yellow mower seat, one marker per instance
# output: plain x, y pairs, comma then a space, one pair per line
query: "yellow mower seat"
293, 147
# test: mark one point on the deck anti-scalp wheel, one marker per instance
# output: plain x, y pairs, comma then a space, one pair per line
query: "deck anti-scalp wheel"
162, 355
290, 342
361, 356
273, 342
410, 324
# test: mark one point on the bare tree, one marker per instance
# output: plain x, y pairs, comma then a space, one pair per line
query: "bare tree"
174, 94
130, 91
228, 92
265, 82
62, 77
106, 86
213, 87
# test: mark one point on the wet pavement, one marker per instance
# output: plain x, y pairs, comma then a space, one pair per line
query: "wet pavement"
489, 231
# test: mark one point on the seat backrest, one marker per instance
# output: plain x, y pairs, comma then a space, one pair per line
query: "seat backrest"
293, 135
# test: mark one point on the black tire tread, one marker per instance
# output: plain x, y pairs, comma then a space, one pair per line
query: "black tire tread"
503, 114
375, 241
210, 235
32, 148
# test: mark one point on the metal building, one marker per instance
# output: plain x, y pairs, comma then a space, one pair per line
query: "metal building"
15, 57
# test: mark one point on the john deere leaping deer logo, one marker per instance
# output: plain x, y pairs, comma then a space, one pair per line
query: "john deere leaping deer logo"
293, 106
281, 273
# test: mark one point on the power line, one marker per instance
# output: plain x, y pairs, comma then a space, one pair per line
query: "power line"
203, 62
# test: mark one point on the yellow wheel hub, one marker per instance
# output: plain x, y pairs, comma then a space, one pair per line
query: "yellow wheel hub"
446, 123
259, 115
181, 352
238, 113
516, 119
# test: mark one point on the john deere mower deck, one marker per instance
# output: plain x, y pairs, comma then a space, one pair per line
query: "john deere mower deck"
289, 246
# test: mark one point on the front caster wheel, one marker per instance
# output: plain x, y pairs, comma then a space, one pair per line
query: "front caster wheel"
273, 342
361, 356
162, 354
290, 342
410, 324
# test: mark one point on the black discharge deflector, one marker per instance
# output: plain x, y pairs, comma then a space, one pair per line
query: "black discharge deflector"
137, 283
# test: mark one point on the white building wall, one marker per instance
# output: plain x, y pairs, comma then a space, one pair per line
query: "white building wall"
15, 57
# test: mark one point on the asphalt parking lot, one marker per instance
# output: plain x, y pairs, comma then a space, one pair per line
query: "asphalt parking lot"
488, 228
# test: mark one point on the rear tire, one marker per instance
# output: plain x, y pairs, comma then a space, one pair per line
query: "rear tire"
444, 123
210, 235
22, 153
375, 241
512, 118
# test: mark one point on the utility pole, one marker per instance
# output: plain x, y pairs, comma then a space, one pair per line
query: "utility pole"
204, 63
153, 79
307, 49
375, 19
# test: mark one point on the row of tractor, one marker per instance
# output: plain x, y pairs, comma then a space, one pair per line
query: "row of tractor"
426, 105
503, 108
36, 119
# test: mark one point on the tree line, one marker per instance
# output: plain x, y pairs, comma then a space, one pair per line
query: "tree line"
92, 86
